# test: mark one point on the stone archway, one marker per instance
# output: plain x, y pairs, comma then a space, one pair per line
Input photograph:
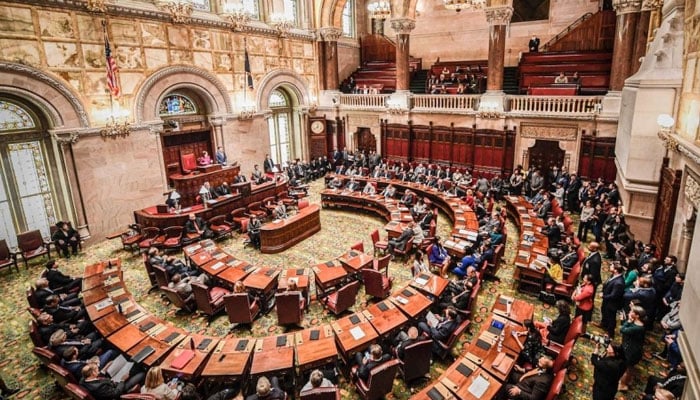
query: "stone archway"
287, 79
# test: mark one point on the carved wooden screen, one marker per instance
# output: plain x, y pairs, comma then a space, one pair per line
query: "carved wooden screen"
666, 201
597, 158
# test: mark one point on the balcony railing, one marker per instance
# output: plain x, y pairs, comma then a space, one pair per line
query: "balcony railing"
363, 101
553, 105
445, 102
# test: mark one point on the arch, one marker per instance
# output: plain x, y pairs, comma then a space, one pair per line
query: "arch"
59, 102
160, 83
289, 81
332, 11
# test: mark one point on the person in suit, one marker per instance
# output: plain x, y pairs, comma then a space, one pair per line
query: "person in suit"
60, 281
47, 327
613, 299
553, 232
61, 344
405, 339
173, 199
73, 363
199, 226
556, 330
206, 192
268, 164
280, 211
316, 380
257, 176
401, 241
267, 389
352, 185
447, 324
223, 189
459, 292
533, 384
369, 360
43, 291
607, 371
102, 388
389, 191
425, 220
254, 225
591, 265
62, 313
65, 237
534, 44
220, 156
369, 189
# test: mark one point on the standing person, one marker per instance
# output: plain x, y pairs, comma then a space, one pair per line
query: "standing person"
534, 44
613, 292
591, 265
516, 183
663, 278
632, 331
586, 218
220, 156
607, 371
268, 164
583, 298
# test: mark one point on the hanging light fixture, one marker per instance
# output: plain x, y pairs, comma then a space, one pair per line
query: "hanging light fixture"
379, 9
238, 14
459, 5
181, 10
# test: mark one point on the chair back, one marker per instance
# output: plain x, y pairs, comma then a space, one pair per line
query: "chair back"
563, 356
359, 246
557, 385
35, 335
321, 393
202, 298
417, 359
217, 220
31, 298
173, 236
188, 162
150, 271
573, 275
269, 201
346, 296
382, 264
254, 206
289, 307
239, 309
174, 298
375, 236
30, 241
303, 203
381, 380
61, 375
407, 249
77, 392
161, 275
453, 337
4, 251
374, 283
575, 330
473, 295
45, 355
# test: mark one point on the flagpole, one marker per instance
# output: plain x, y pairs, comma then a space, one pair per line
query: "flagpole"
111, 98
245, 76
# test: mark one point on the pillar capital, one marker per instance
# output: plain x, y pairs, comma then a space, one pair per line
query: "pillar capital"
330, 34
650, 5
403, 26
627, 6
498, 15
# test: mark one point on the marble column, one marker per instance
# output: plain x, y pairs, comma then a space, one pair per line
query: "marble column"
623, 50
403, 28
498, 18
330, 37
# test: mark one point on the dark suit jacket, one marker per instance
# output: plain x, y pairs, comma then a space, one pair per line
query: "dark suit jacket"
613, 293
364, 369
103, 388
402, 240
558, 328
534, 387
607, 372
591, 265
57, 278
268, 164
443, 330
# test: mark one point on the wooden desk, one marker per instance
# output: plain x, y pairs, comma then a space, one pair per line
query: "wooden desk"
436, 390
385, 317
230, 359
301, 276
410, 301
515, 310
280, 235
94, 295
262, 280
458, 383
193, 368
434, 284
354, 261
101, 267
344, 329
110, 323
188, 185
126, 337
234, 271
327, 276
312, 354
270, 359
160, 348
93, 281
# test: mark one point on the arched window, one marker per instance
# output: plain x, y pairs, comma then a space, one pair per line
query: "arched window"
348, 20
26, 190
280, 127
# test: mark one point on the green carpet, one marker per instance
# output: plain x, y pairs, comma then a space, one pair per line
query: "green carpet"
340, 229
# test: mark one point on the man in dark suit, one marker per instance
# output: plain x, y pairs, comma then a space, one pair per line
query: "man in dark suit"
62, 313
103, 388
591, 264
607, 371
223, 189
43, 291
533, 384
268, 164
199, 226
401, 241
267, 390
442, 330
534, 44
613, 299
65, 237
553, 233
405, 339
366, 362
62, 282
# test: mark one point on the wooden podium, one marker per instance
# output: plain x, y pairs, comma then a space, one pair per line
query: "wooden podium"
188, 185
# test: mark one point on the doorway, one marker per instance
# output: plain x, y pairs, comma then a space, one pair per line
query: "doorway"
365, 140
546, 154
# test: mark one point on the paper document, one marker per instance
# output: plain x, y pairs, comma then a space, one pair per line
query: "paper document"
357, 333
479, 386
431, 319
421, 281
119, 369
103, 304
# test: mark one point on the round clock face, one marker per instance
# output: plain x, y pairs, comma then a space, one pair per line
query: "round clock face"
317, 126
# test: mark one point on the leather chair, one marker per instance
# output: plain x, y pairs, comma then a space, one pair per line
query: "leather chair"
290, 308
46, 356
7, 258
149, 238
322, 393
380, 381
188, 162
161, 275
131, 238
376, 283
239, 308
34, 334
77, 392
342, 299
61, 375
177, 300
151, 273
269, 204
302, 204
172, 239
286, 200
432, 266
406, 250
382, 264
210, 302
237, 217
568, 286
563, 357
220, 227
492, 268
378, 245
416, 362
31, 244
444, 348
557, 385
255, 208
32, 300
359, 246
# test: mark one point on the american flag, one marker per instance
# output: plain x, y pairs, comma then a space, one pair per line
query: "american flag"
112, 69
246, 66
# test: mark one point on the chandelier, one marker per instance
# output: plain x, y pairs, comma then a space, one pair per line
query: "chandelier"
282, 22
238, 14
459, 5
379, 9
114, 128
181, 10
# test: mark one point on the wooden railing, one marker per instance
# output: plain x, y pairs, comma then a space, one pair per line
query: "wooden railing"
446, 102
553, 105
363, 101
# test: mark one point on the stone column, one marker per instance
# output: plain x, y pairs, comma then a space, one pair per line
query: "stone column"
498, 18
623, 51
330, 37
642, 33
403, 28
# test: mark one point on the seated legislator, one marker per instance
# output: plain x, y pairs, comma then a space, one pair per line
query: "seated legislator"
335, 183
442, 329
65, 237
419, 209
103, 388
368, 360
316, 380
419, 265
72, 362
438, 255
458, 292
43, 291
156, 386
87, 347
205, 159
47, 327
257, 176
199, 226
223, 189
280, 211
220, 156
352, 185
533, 384
401, 241
405, 339
171, 264
389, 192
182, 284
267, 389
369, 189
556, 330
207, 192
61, 313
254, 225
407, 199
58, 280
561, 78
173, 199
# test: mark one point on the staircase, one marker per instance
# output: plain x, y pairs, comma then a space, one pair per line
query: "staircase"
510, 80
418, 82
590, 32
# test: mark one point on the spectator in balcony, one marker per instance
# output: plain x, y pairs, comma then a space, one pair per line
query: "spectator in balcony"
461, 89
534, 44
434, 89
575, 78
561, 78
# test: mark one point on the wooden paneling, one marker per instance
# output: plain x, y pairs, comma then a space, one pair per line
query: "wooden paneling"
666, 202
176, 143
378, 48
597, 158
595, 33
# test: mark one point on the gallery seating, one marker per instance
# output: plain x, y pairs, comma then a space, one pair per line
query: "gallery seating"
31, 244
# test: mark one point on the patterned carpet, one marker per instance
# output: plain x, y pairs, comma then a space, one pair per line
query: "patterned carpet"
340, 230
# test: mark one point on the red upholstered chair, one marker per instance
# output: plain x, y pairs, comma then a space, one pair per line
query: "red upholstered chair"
557, 385
269, 204
290, 307
575, 330
416, 360
378, 245
177, 300
46, 356
188, 162
380, 381
34, 334
342, 299
7, 258
31, 245
286, 200
31, 298
150, 237
563, 357
161, 275
566, 288
210, 302
255, 208
172, 238
446, 347
492, 268
237, 217
406, 250
131, 238
322, 393
376, 283
302, 204
382, 264
77, 392
61, 375
239, 308
151, 273
359, 246
220, 227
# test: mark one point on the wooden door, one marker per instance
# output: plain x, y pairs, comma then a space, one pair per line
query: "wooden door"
666, 202
365, 141
545, 154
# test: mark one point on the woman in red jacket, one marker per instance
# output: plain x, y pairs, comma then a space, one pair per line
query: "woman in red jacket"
583, 297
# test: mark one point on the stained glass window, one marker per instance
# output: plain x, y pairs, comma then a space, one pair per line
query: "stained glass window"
177, 104
14, 117
348, 20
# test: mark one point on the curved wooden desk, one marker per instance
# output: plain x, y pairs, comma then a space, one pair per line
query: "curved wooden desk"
529, 272
277, 236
